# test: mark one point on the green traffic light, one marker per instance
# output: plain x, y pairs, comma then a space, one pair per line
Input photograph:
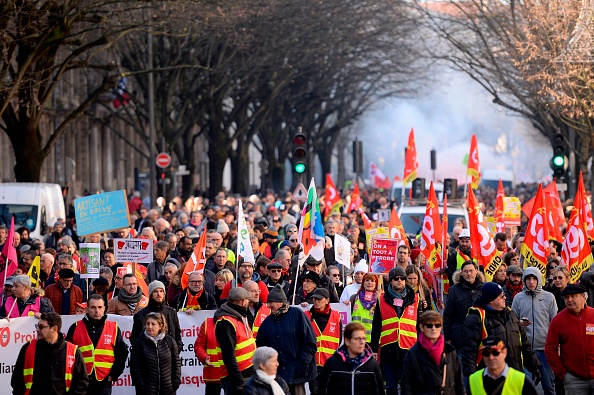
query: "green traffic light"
299, 168
558, 160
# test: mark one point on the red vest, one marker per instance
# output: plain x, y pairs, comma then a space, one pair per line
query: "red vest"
211, 374
29, 365
402, 330
329, 340
101, 358
245, 344
263, 312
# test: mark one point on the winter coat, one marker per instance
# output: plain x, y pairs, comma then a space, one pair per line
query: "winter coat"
173, 328
154, 270
55, 293
46, 380
255, 278
206, 301
292, 335
338, 378
422, 376
538, 306
461, 297
255, 386
155, 369
504, 324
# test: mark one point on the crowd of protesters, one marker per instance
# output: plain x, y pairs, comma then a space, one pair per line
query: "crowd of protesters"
480, 337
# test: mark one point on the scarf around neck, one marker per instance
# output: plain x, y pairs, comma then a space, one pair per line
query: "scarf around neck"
435, 350
270, 380
155, 339
367, 304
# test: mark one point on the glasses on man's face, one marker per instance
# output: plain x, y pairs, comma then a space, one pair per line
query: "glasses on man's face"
275, 270
293, 240
335, 275
196, 282
488, 353
399, 278
41, 327
431, 326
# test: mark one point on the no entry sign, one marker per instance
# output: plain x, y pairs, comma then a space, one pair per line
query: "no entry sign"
163, 160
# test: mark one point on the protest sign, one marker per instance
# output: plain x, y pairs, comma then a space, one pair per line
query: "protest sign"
100, 213
383, 254
90, 260
383, 215
342, 250
382, 231
133, 250
512, 211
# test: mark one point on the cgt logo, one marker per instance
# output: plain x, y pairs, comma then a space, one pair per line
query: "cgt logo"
4, 336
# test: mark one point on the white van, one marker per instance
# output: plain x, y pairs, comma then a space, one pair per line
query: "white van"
33, 205
412, 217
396, 191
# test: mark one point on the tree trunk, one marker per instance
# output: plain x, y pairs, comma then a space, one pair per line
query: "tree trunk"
240, 164
28, 154
217, 157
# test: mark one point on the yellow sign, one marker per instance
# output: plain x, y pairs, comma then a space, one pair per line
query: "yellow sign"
491, 225
512, 211
381, 232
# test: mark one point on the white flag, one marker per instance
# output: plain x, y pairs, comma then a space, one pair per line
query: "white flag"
342, 250
244, 247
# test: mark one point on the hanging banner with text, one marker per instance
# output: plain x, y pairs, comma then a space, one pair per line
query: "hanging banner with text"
133, 250
100, 213
383, 254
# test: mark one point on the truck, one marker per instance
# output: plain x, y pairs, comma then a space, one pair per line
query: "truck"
33, 205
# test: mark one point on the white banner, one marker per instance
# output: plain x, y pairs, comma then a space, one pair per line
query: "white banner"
17, 332
133, 250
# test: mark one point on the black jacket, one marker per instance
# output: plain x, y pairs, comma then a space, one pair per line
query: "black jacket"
155, 369
48, 374
255, 386
120, 350
173, 328
461, 297
325, 282
421, 375
227, 339
206, 301
505, 325
338, 378
452, 262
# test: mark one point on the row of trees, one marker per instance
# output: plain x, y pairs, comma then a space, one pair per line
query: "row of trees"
237, 72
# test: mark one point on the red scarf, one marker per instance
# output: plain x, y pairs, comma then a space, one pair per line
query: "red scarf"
326, 311
435, 350
463, 255
514, 289
192, 301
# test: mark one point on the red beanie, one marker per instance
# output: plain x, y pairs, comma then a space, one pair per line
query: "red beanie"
414, 254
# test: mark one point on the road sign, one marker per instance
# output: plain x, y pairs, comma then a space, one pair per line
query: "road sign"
300, 193
163, 160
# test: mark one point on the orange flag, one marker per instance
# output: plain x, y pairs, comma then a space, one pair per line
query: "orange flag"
140, 273
431, 232
535, 248
355, 199
576, 253
483, 246
332, 199
553, 224
586, 212
196, 262
474, 166
396, 228
366, 221
499, 223
410, 161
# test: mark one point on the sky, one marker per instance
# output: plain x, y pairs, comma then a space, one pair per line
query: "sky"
444, 117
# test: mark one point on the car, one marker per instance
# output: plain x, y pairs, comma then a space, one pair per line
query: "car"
412, 216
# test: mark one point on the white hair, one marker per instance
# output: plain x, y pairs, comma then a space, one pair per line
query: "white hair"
262, 355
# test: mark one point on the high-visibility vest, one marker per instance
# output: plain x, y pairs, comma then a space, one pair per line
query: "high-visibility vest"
211, 374
98, 359
461, 258
328, 340
402, 330
245, 345
263, 312
484, 334
364, 316
30, 365
513, 385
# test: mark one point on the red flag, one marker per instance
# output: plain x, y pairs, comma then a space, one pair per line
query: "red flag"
8, 259
332, 200
396, 228
196, 262
410, 161
378, 178
586, 212
551, 189
445, 223
553, 225
483, 246
499, 223
431, 232
355, 199
535, 248
474, 166
366, 221
576, 253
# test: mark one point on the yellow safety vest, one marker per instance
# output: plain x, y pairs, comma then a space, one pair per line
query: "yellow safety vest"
514, 383
364, 316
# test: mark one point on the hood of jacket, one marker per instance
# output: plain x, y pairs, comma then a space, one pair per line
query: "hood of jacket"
532, 271
457, 279
343, 354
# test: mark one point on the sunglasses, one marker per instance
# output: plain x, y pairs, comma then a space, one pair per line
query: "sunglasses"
558, 278
399, 278
275, 270
488, 353
431, 326
293, 241
336, 275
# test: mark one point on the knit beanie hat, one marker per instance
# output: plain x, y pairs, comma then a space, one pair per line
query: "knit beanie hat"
414, 254
396, 272
277, 295
490, 292
155, 285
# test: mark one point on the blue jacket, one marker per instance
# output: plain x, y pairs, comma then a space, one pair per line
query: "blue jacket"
292, 335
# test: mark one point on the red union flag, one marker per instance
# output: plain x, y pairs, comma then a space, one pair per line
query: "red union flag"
535, 248
378, 178
553, 224
431, 232
576, 254
332, 200
474, 165
396, 228
499, 222
585, 211
355, 199
410, 161
483, 246
196, 262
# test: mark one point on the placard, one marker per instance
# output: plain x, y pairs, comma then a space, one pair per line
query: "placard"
382, 231
512, 211
90, 260
342, 250
383, 254
100, 213
133, 250
383, 215
491, 225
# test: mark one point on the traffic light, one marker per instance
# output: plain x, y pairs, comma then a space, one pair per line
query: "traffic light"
559, 160
299, 152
